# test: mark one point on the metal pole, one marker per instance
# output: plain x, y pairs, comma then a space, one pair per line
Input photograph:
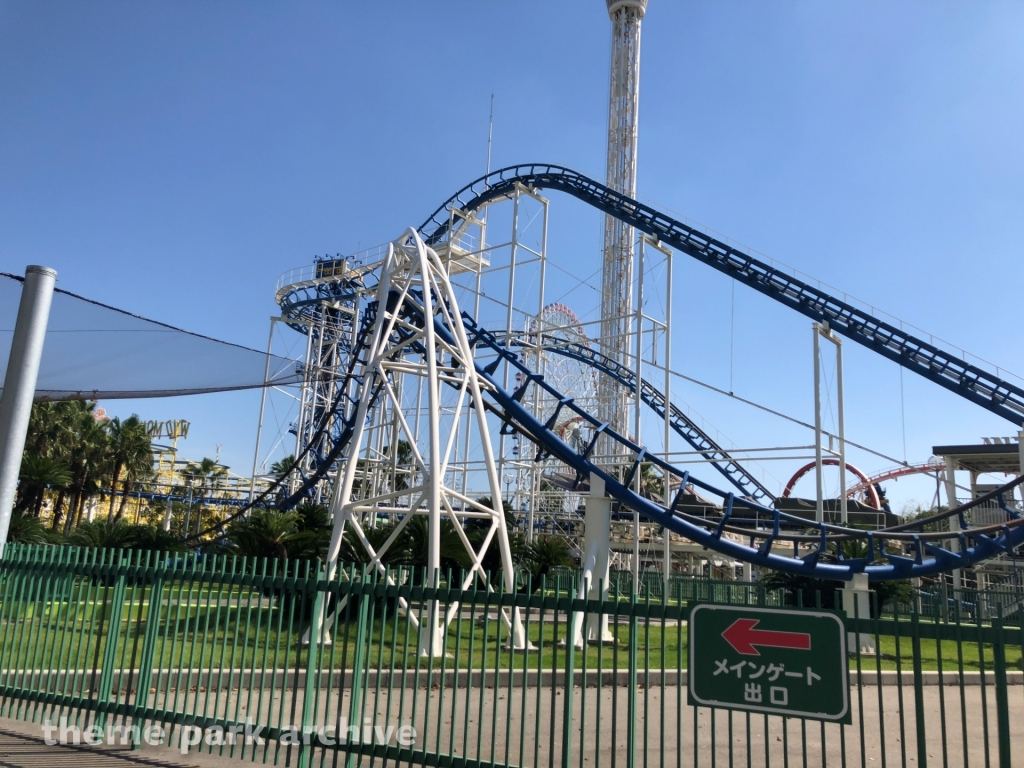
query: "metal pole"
668, 397
954, 522
20, 383
1020, 448
513, 252
536, 469
307, 400
476, 313
820, 505
490, 135
263, 405
843, 506
638, 373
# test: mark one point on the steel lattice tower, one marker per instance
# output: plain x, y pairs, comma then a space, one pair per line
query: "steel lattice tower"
617, 276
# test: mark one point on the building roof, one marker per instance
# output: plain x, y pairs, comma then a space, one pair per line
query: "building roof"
996, 457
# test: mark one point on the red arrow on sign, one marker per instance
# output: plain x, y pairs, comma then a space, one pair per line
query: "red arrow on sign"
742, 636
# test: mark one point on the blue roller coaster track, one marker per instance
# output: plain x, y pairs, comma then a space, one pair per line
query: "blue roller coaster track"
297, 302
905, 551
909, 550
757, 534
746, 529
946, 369
656, 400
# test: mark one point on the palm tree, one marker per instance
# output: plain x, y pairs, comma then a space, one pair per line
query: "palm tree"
120, 534
315, 520
206, 475
652, 483
154, 538
67, 433
511, 522
26, 530
109, 534
39, 474
48, 424
281, 468
546, 553
88, 453
132, 476
130, 452
353, 551
267, 533
417, 545
476, 529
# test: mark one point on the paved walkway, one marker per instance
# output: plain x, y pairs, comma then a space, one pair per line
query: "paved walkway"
477, 723
22, 746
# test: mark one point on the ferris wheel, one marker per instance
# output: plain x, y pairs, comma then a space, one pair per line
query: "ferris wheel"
556, 325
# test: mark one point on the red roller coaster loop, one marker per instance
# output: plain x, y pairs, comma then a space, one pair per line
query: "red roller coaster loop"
865, 481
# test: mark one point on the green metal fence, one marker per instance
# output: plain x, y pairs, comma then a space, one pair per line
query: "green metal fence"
982, 605
114, 638
652, 586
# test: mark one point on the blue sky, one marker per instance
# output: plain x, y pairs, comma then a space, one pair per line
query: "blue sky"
173, 159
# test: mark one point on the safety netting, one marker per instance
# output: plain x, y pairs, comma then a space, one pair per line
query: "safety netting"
96, 351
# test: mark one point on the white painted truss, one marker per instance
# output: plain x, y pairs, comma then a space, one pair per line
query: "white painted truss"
406, 352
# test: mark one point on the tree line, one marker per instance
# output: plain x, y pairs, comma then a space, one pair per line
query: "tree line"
78, 464
75, 458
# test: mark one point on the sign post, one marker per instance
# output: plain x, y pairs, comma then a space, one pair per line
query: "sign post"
774, 661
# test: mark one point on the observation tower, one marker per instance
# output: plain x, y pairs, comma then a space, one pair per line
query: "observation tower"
617, 275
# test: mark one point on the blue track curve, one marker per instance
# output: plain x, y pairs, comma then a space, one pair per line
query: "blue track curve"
947, 369
903, 552
681, 424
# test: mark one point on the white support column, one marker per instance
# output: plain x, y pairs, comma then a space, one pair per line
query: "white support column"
819, 513
597, 557
843, 506
666, 556
1020, 450
822, 330
668, 396
20, 383
954, 522
509, 315
856, 603
537, 470
638, 372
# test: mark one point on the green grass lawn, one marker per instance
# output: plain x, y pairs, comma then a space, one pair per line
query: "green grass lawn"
206, 630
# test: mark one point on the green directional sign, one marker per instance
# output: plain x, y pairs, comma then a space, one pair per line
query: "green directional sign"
770, 660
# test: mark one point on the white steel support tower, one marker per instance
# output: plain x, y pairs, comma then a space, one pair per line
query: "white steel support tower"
414, 299
617, 277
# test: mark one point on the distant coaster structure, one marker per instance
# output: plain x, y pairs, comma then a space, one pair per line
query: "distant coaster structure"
392, 317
